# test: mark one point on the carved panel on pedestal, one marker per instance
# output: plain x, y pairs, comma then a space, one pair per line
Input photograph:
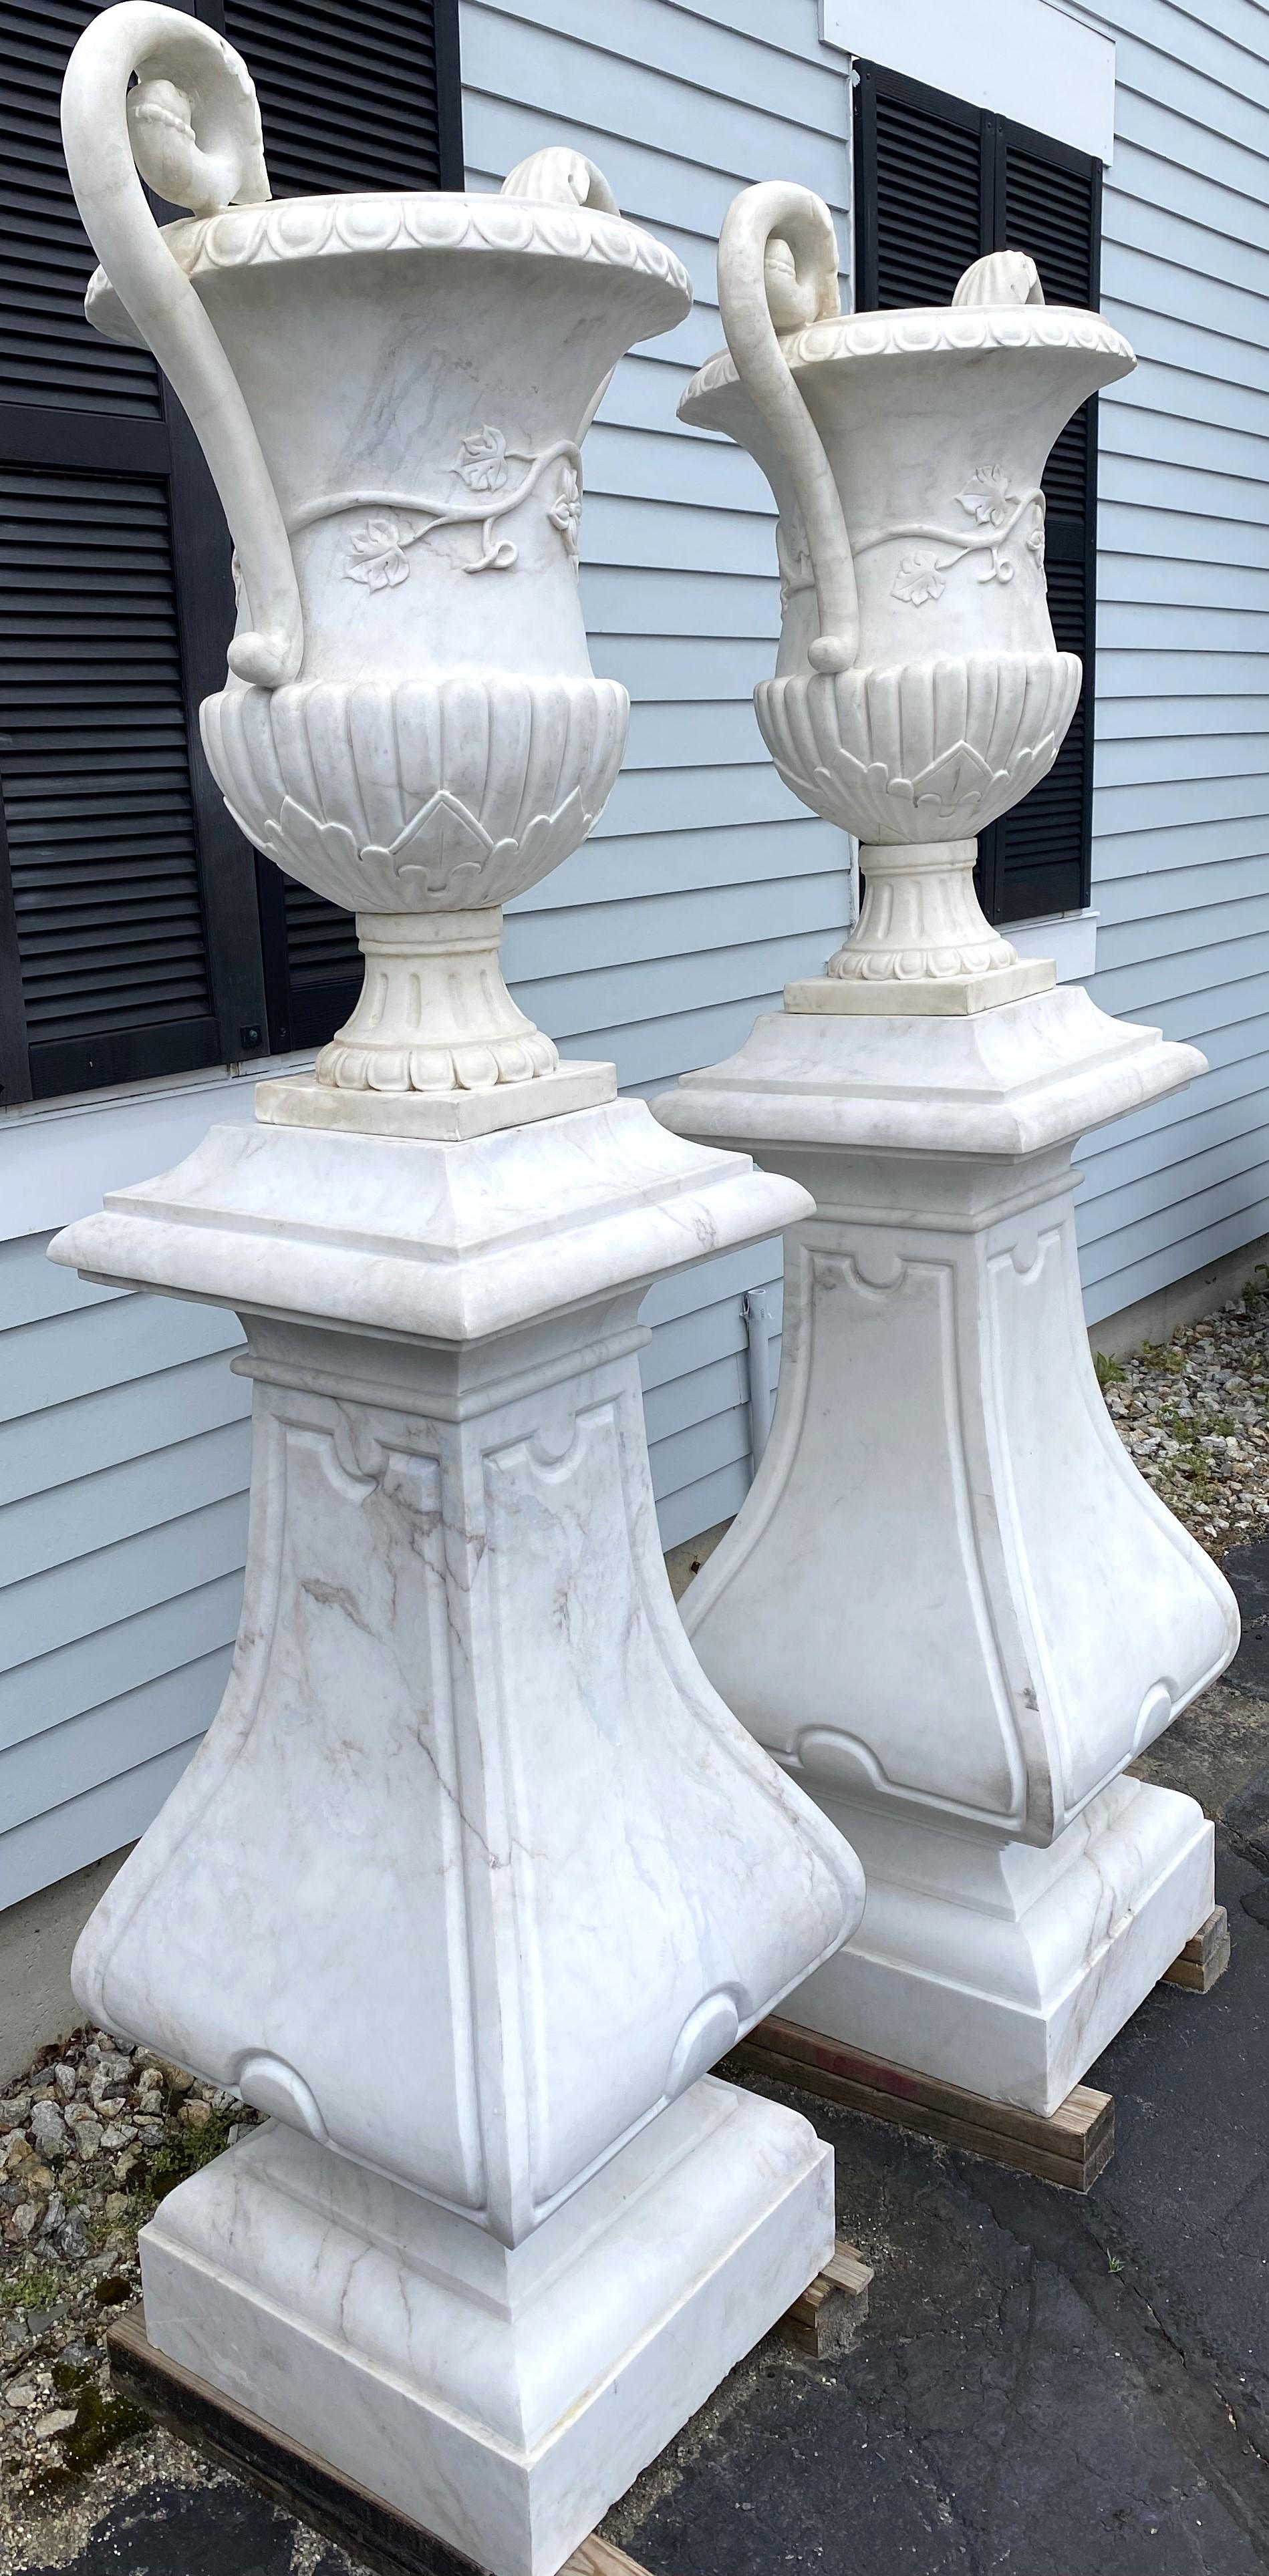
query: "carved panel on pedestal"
619, 1771
1116, 1589
874, 1442
335, 1745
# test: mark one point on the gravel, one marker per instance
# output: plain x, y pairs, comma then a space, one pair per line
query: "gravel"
90, 2141
1193, 1413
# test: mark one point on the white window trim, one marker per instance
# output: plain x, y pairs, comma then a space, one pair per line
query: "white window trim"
1025, 59
59, 1157
1069, 938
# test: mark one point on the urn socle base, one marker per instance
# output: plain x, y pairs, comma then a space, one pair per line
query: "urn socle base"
924, 996
442, 1117
921, 946
1005, 1969
503, 2398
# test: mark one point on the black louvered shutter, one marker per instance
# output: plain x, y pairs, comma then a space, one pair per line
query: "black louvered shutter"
938, 184
1038, 858
351, 96
137, 935
923, 187
128, 944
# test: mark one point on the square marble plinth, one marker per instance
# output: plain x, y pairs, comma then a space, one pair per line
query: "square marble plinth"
500, 2397
443, 1117
922, 996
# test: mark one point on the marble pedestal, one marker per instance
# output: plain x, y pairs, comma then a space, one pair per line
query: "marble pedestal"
460, 1886
950, 1605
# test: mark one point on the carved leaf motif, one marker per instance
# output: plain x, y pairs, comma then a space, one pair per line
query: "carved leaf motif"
918, 579
443, 841
482, 460
299, 841
987, 498
376, 558
565, 512
954, 783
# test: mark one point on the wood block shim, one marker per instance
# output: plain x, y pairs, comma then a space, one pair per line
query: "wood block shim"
825, 2320
1204, 1958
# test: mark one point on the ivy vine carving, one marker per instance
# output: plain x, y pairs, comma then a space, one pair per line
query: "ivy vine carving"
996, 513
379, 547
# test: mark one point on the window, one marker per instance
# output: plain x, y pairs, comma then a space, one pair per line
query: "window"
937, 185
139, 934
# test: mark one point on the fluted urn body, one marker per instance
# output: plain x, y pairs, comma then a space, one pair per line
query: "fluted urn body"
918, 691
392, 391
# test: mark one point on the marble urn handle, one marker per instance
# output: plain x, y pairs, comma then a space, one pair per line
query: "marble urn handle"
777, 271
191, 127
559, 176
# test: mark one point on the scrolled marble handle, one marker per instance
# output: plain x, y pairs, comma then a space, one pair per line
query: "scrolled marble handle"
777, 271
559, 176
192, 128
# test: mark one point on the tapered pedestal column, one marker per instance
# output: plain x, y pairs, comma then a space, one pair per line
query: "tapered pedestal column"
951, 1606
460, 1887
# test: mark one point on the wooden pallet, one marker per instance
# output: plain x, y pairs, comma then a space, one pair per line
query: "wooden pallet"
1071, 2147
373, 2533
1204, 1958
825, 2320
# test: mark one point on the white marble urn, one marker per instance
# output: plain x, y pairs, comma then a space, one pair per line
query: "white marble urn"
410, 724
918, 691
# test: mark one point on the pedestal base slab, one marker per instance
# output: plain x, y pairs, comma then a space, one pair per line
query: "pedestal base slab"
374, 2536
1006, 1971
500, 2398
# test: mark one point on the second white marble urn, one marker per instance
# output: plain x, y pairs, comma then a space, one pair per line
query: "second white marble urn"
918, 692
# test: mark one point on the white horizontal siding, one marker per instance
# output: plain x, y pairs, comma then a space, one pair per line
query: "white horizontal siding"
1181, 808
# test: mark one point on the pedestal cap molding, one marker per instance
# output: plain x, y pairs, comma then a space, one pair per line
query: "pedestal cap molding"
1030, 1074
450, 1241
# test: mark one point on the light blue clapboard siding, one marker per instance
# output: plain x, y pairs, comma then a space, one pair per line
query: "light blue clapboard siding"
705, 886
1181, 814
123, 1475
